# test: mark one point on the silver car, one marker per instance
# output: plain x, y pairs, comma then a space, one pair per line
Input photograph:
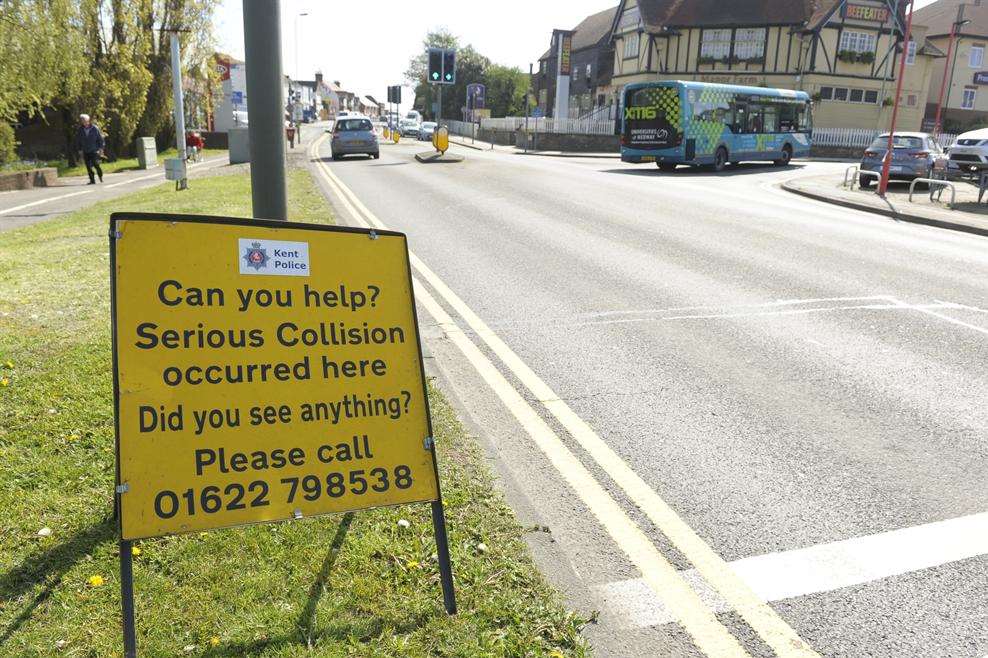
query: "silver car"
427, 130
913, 155
354, 135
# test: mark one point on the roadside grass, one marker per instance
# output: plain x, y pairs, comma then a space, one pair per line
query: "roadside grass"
108, 167
342, 585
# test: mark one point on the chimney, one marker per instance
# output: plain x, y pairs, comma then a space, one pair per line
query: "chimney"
318, 78
336, 82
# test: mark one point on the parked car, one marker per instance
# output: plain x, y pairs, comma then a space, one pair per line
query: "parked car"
427, 129
409, 128
971, 148
354, 135
913, 155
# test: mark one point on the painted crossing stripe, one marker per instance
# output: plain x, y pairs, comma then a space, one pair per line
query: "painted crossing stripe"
770, 626
821, 568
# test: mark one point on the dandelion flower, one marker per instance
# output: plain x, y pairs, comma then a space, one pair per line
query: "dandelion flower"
214, 641
95, 581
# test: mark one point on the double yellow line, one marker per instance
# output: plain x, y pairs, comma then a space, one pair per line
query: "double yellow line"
707, 633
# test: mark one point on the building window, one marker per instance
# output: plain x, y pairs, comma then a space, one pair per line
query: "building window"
588, 72
631, 45
715, 46
840, 94
749, 44
970, 94
911, 100
857, 42
977, 57
911, 53
826, 93
630, 18
857, 95
871, 96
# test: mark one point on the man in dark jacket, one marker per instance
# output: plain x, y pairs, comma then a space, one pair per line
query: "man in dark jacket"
90, 141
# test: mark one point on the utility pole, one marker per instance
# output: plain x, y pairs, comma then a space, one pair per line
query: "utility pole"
883, 184
179, 101
528, 91
948, 82
266, 127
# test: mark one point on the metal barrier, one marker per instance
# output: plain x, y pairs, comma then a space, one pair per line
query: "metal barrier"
931, 182
854, 178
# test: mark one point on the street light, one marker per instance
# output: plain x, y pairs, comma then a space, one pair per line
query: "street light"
945, 83
297, 16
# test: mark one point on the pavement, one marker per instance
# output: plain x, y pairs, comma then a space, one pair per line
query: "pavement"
24, 207
966, 214
739, 422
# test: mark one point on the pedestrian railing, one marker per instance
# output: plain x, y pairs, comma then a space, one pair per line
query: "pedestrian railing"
931, 182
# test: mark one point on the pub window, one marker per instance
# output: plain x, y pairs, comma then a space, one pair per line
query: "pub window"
911, 100
826, 93
840, 93
857, 42
871, 96
630, 18
715, 45
976, 58
631, 45
749, 44
911, 53
857, 95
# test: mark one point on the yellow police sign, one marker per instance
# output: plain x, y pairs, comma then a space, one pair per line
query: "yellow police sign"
263, 371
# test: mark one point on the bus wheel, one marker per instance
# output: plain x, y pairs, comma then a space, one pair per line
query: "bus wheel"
666, 166
786, 157
720, 159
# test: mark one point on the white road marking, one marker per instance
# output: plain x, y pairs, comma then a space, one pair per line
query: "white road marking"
822, 568
40, 201
692, 615
156, 174
974, 327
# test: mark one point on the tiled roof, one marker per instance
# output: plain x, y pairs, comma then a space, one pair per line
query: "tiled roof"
592, 30
708, 13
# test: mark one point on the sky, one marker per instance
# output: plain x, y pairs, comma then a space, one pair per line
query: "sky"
367, 45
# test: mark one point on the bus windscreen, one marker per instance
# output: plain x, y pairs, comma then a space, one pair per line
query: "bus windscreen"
653, 118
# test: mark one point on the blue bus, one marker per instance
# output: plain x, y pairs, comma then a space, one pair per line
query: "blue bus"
697, 123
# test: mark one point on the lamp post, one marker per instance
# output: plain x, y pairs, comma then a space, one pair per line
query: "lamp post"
887, 162
297, 16
948, 81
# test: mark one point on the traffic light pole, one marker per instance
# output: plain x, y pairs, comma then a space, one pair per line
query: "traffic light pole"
266, 128
883, 183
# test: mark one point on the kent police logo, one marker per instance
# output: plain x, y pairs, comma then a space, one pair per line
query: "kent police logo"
256, 257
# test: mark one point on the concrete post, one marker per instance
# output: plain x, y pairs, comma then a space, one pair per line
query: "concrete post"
266, 123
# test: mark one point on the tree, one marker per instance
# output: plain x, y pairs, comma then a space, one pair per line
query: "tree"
38, 50
506, 89
158, 20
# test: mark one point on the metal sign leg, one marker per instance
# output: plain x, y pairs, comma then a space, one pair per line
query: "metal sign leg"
442, 552
127, 598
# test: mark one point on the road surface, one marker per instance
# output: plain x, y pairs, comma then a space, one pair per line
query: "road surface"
745, 423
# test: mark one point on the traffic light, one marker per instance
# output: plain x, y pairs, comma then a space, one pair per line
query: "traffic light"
449, 66
435, 64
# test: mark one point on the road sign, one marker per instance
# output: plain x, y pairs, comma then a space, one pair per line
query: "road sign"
264, 371
537, 112
237, 97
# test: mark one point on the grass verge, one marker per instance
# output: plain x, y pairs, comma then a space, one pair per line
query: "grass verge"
121, 164
359, 585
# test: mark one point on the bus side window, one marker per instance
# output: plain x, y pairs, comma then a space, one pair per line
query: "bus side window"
740, 118
788, 122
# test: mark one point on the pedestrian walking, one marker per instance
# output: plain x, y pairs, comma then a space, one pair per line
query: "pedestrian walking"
89, 140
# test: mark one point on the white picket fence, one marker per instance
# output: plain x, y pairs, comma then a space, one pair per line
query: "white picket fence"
551, 125
858, 137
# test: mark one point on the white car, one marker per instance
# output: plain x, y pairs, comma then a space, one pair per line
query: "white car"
970, 148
